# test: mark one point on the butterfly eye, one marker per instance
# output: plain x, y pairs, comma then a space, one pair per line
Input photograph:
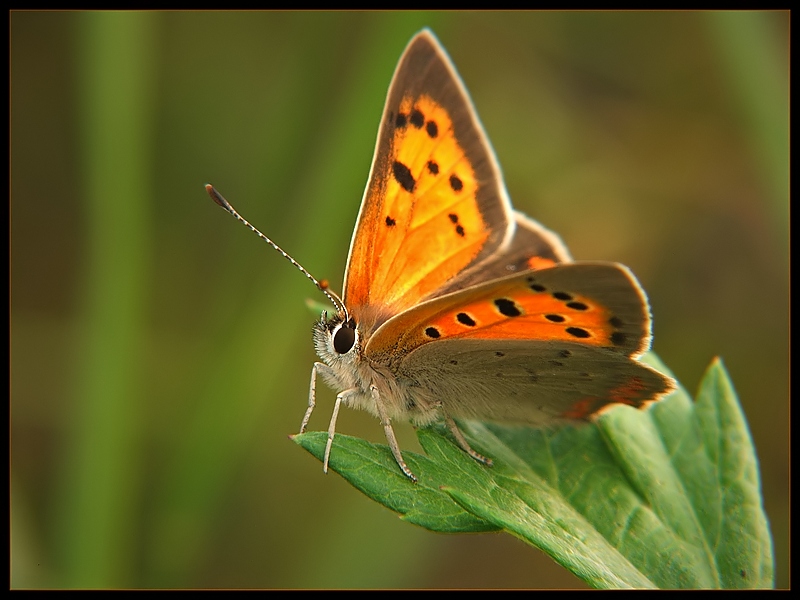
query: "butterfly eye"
344, 337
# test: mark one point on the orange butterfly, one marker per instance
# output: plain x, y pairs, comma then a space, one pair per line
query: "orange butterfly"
457, 306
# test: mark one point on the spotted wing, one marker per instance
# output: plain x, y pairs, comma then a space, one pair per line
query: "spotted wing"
435, 204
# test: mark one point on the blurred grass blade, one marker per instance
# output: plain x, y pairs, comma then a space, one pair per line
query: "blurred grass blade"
749, 53
101, 484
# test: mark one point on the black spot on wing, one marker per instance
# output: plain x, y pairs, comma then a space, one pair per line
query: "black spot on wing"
577, 306
465, 319
459, 228
534, 286
432, 128
578, 332
403, 176
432, 332
507, 307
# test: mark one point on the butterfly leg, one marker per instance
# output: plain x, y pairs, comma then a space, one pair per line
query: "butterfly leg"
389, 432
342, 396
462, 441
312, 394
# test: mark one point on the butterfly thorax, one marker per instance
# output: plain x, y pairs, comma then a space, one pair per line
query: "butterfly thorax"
340, 346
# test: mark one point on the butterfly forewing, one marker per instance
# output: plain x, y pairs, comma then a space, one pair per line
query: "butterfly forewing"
435, 204
594, 304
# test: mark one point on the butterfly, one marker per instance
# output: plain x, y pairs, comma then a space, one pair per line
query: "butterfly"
455, 305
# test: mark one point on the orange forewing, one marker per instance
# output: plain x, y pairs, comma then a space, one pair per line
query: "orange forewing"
513, 311
429, 225
434, 205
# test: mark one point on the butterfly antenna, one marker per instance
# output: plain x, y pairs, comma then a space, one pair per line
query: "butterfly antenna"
322, 286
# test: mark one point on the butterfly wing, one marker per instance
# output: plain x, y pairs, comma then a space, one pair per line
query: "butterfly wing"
557, 341
531, 382
531, 247
435, 205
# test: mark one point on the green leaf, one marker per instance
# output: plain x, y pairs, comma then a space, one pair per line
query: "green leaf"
666, 497
372, 469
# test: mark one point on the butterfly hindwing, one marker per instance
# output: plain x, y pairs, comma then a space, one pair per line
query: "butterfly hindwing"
532, 382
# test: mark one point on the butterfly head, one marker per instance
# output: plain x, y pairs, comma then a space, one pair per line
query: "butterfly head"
336, 338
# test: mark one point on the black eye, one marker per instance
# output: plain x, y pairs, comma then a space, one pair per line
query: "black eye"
344, 338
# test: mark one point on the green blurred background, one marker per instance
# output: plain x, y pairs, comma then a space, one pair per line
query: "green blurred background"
160, 353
